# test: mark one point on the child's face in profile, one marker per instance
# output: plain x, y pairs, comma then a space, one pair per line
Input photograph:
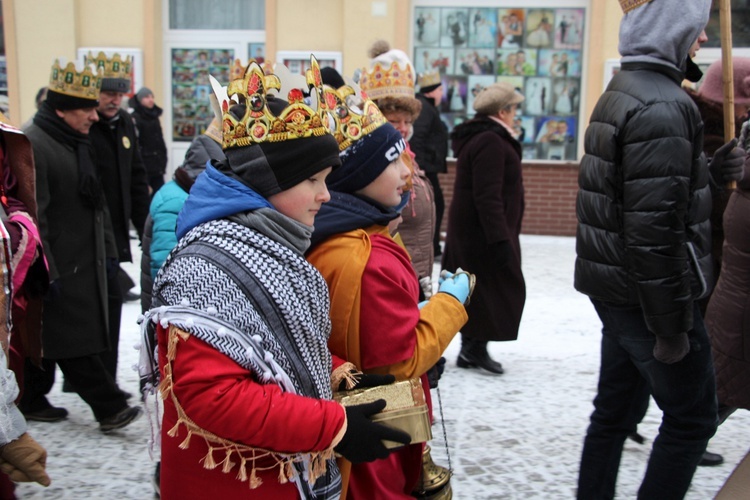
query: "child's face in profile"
388, 187
303, 201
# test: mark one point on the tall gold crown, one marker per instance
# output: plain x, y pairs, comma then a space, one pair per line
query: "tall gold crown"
113, 67
84, 84
259, 124
429, 78
356, 115
388, 81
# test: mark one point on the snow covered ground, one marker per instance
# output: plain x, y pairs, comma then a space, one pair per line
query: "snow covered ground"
516, 436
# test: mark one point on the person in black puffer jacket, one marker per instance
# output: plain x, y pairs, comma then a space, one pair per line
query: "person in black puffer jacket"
644, 252
150, 137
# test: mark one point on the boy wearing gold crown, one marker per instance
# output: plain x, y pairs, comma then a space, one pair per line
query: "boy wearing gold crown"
377, 321
242, 319
78, 240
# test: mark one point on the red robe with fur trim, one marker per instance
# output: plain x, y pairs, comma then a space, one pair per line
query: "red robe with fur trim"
222, 397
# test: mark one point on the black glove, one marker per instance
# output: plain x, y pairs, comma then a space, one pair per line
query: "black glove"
501, 253
363, 440
368, 380
671, 349
113, 268
728, 163
54, 291
434, 373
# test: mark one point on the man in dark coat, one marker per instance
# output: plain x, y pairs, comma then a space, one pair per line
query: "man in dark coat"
80, 249
643, 248
484, 223
429, 143
150, 138
123, 178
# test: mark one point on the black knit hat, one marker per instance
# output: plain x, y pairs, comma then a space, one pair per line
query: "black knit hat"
366, 159
272, 167
65, 102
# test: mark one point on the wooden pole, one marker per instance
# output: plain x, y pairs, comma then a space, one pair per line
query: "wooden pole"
725, 23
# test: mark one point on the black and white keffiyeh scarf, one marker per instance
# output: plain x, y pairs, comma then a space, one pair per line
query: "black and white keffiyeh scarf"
260, 303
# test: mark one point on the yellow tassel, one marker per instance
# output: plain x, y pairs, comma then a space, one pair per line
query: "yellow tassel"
242, 474
228, 464
173, 431
282, 476
184, 445
255, 481
208, 461
291, 472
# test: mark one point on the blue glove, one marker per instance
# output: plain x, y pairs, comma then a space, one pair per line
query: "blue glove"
456, 285
444, 275
422, 304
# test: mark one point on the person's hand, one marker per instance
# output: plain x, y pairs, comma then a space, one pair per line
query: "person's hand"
367, 380
501, 253
727, 164
113, 267
53, 291
671, 349
425, 284
24, 460
434, 373
458, 285
363, 440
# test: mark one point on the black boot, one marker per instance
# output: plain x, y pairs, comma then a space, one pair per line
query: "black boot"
474, 354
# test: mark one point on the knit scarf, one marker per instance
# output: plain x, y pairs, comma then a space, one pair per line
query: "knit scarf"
260, 303
89, 186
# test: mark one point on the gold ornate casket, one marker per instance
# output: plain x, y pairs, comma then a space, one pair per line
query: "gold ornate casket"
405, 409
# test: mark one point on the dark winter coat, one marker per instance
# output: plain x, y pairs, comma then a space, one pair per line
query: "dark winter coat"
486, 213
728, 313
712, 114
123, 177
643, 207
77, 241
430, 139
150, 138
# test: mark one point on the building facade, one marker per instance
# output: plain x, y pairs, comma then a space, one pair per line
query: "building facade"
560, 53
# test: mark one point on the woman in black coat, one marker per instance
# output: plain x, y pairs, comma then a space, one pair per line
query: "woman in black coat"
484, 223
150, 137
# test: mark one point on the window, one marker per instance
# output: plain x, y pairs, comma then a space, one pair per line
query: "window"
539, 50
191, 107
214, 15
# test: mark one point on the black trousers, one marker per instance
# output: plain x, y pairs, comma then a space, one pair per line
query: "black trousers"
87, 375
439, 208
114, 304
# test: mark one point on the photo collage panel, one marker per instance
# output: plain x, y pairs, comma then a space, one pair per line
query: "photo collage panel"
537, 50
191, 89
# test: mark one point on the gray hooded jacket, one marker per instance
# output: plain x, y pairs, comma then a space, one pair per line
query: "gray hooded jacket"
643, 207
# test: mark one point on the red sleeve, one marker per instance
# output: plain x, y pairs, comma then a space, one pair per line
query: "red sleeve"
388, 310
222, 397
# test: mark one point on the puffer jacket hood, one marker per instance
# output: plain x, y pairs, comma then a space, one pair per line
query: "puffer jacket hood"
662, 31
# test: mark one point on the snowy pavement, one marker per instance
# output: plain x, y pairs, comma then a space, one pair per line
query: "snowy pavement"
516, 436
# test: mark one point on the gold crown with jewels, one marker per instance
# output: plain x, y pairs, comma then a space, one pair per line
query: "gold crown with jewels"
113, 67
393, 80
429, 78
69, 81
355, 114
259, 124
